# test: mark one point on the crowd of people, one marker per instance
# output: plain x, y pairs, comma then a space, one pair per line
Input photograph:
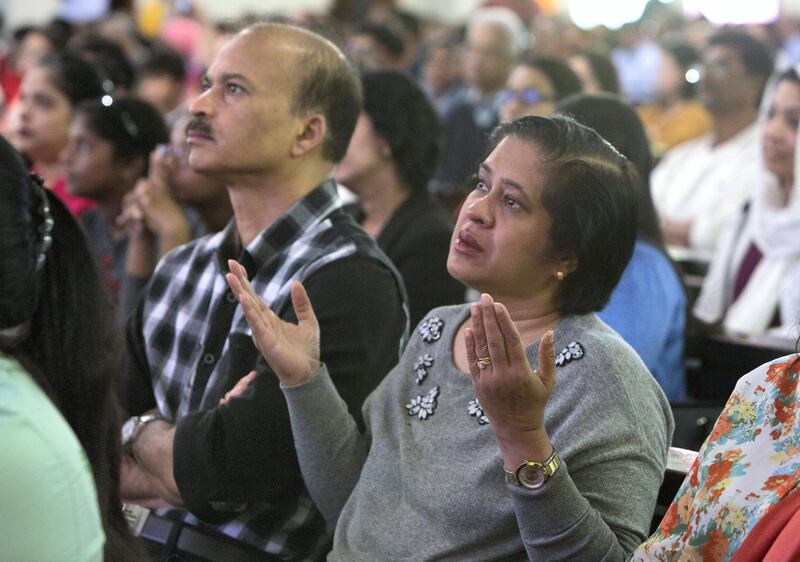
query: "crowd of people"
363, 286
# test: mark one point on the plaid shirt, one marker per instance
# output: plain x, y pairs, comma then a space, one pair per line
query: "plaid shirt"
190, 341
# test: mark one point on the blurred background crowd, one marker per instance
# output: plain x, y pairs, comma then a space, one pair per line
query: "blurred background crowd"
94, 94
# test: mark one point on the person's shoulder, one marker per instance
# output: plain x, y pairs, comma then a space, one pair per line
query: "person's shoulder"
597, 345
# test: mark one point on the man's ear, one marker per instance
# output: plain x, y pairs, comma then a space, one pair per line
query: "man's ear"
314, 128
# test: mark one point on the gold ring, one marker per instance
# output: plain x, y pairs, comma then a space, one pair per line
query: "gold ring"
483, 362
536, 372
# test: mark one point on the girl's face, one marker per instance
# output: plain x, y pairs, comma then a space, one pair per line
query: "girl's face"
92, 170
779, 134
41, 119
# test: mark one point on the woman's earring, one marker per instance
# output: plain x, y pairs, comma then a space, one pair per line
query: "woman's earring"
560, 275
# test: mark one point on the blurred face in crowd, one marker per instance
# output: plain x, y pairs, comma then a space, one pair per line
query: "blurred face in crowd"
41, 119
92, 169
161, 90
243, 124
583, 70
501, 242
779, 136
725, 84
442, 68
33, 48
528, 92
669, 84
488, 57
367, 154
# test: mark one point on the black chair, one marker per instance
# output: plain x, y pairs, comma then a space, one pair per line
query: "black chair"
694, 421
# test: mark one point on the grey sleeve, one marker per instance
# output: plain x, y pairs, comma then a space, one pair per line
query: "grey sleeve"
330, 448
558, 522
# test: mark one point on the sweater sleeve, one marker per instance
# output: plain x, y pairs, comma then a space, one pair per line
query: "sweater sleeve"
244, 452
330, 448
599, 503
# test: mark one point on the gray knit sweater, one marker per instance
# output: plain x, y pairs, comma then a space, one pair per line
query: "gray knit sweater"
426, 481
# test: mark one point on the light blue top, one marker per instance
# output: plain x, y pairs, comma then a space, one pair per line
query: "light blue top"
648, 309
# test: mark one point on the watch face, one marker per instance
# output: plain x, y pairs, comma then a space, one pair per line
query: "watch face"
531, 475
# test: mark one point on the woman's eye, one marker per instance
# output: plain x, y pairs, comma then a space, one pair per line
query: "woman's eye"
480, 185
511, 202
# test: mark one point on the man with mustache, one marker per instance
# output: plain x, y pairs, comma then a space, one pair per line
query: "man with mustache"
276, 113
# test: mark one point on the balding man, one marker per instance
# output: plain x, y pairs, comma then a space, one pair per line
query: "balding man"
277, 110
495, 38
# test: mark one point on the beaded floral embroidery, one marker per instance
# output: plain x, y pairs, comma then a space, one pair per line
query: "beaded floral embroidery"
474, 409
430, 329
423, 406
421, 366
572, 352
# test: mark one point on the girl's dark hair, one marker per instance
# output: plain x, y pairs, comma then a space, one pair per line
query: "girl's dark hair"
618, 123
603, 70
73, 76
565, 82
68, 343
412, 133
589, 192
134, 127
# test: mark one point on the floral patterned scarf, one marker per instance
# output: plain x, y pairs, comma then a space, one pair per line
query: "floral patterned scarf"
750, 461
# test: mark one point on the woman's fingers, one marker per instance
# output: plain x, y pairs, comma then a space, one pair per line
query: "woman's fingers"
513, 341
478, 333
472, 357
547, 362
495, 341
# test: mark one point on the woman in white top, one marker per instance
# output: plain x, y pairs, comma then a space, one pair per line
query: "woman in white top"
753, 283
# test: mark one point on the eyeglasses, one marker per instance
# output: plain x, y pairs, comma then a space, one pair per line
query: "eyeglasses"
527, 96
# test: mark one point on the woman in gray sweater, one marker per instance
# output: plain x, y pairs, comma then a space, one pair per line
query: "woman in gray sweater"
536, 385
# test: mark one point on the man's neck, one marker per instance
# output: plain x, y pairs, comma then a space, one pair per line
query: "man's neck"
726, 126
258, 201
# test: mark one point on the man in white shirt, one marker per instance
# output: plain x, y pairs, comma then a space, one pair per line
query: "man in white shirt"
700, 184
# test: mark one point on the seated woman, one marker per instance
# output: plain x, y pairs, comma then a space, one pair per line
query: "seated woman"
753, 282
648, 306
745, 470
39, 122
57, 400
107, 152
535, 85
389, 162
548, 230
596, 72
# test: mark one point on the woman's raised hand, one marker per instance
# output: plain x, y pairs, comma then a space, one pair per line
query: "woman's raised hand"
292, 350
510, 392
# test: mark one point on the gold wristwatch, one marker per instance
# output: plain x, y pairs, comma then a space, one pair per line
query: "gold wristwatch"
532, 475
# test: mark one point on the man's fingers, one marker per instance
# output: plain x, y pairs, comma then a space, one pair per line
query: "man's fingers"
302, 305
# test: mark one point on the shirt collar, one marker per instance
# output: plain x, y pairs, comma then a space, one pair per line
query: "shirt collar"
315, 207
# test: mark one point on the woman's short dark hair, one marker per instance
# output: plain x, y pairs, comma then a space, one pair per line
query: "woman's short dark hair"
73, 76
589, 193
563, 79
685, 57
618, 123
402, 115
134, 127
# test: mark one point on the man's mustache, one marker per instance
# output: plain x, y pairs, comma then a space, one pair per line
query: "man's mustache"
199, 125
